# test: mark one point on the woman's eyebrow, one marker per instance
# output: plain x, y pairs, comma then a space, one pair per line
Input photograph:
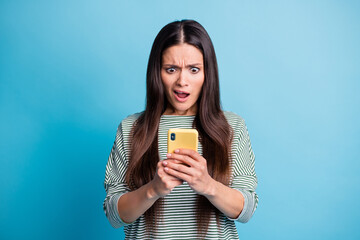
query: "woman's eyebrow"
189, 65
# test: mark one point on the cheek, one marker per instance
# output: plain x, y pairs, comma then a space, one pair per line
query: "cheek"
199, 83
165, 81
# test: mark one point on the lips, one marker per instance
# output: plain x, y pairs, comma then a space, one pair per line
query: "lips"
181, 96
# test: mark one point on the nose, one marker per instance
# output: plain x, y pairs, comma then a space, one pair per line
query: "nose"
181, 81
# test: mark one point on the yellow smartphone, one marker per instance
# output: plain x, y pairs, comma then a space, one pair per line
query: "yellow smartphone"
182, 138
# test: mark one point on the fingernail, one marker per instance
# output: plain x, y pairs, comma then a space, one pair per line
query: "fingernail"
165, 163
166, 169
168, 155
177, 150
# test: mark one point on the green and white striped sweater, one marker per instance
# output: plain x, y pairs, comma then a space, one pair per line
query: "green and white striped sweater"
178, 219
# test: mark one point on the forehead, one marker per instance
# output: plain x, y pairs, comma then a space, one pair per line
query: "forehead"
182, 52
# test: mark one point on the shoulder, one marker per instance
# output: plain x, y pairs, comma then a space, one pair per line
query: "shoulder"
234, 120
127, 123
237, 124
129, 120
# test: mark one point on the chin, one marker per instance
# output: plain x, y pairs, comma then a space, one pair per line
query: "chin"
186, 109
182, 107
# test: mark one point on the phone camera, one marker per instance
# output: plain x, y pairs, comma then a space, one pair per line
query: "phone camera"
172, 136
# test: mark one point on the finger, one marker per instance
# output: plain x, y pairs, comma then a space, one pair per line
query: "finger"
182, 168
177, 174
182, 158
191, 153
165, 161
164, 175
171, 180
177, 182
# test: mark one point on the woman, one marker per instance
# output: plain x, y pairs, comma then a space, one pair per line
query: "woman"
186, 194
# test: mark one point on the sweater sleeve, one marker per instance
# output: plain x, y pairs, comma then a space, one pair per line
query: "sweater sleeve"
244, 176
114, 183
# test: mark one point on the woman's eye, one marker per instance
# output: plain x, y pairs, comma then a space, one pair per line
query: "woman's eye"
170, 70
194, 70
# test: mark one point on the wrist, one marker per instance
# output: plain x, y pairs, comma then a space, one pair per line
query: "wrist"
150, 192
212, 189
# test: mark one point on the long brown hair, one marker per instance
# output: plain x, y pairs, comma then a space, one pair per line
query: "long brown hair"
215, 132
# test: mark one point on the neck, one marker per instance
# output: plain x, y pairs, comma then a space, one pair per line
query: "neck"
188, 112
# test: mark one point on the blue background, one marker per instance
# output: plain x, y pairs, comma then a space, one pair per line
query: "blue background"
71, 70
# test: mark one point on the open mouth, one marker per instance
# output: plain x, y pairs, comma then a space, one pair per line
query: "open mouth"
181, 96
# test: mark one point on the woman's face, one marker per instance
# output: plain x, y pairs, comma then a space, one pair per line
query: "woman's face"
182, 73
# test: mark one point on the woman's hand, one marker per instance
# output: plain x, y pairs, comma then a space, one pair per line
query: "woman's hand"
163, 183
191, 167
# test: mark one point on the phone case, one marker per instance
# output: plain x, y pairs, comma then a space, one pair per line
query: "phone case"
184, 138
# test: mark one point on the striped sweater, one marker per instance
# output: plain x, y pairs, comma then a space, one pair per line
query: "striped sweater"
178, 217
